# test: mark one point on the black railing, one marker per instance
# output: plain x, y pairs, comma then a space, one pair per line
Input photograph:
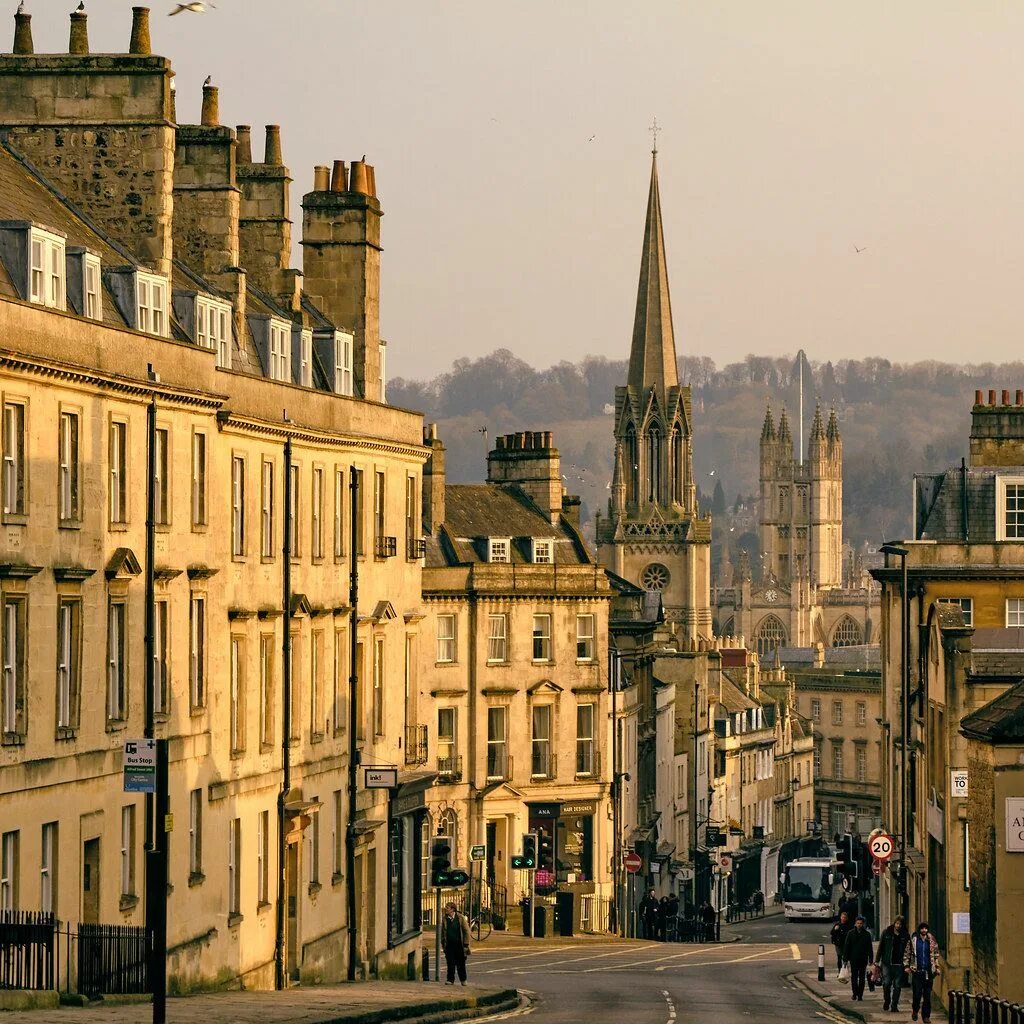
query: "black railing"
544, 766
27, 943
588, 761
415, 548
415, 744
499, 764
111, 958
449, 769
976, 1008
490, 903
387, 547
751, 907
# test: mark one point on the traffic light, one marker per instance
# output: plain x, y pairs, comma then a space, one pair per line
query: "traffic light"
545, 852
527, 860
863, 866
847, 855
440, 861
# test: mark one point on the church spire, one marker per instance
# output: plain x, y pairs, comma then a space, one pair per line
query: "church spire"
768, 430
652, 359
784, 434
832, 433
817, 427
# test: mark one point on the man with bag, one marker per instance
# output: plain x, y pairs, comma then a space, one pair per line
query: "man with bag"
921, 960
455, 942
838, 937
858, 953
891, 947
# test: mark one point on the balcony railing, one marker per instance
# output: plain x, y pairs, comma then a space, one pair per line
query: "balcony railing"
588, 761
415, 548
415, 744
544, 767
449, 769
499, 764
386, 547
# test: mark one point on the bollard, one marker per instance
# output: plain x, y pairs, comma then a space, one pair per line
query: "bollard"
426, 965
821, 963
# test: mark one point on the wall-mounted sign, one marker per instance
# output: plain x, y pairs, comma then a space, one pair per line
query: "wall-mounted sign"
958, 783
961, 924
1015, 824
380, 778
140, 766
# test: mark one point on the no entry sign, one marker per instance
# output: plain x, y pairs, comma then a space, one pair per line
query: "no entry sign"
632, 862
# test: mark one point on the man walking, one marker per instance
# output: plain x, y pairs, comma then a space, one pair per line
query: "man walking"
455, 942
858, 953
838, 937
649, 915
891, 947
921, 960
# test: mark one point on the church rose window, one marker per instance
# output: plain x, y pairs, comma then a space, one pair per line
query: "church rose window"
655, 577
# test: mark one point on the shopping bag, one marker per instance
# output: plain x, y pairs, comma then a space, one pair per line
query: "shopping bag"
876, 974
844, 972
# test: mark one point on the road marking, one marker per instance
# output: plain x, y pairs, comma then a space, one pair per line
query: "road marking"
715, 963
643, 963
796, 951
600, 956
522, 956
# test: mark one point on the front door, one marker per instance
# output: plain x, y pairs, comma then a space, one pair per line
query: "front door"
292, 888
492, 845
91, 881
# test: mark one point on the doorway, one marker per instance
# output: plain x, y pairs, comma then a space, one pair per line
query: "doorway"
91, 881
492, 845
292, 889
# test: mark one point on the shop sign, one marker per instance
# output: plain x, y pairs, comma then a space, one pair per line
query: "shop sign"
380, 778
1015, 824
582, 809
958, 783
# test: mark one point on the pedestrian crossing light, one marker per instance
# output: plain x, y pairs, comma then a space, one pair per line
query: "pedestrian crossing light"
440, 861
527, 860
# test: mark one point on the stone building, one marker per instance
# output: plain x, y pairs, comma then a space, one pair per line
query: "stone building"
144, 266
654, 534
804, 591
965, 569
512, 683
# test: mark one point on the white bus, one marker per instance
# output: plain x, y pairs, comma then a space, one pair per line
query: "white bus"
809, 889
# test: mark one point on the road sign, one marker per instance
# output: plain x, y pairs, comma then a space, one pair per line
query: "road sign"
140, 766
958, 783
380, 778
725, 862
882, 847
477, 852
632, 862
848, 883
878, 867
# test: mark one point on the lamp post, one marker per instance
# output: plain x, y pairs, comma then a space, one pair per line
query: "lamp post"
901, 880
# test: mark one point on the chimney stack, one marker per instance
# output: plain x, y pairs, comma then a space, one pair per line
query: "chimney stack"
997, 431
529, 462
23, 33
272, 153
78, 44
140, 42
433, 482
339, 177
211, 107
243, 149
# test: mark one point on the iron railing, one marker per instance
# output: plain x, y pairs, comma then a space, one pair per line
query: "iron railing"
415, 744
588, 761
490, 903
415, 547
112, 958
976, 1008
544, 767
449, 769
27, 944
499, 764
387, 547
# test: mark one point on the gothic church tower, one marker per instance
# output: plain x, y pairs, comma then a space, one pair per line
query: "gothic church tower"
654, 534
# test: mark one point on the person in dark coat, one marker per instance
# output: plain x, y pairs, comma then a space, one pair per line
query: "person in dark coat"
671, 917
891, 946
649, 915
858, 952
838, 937
455, 942
921, 962
709, 918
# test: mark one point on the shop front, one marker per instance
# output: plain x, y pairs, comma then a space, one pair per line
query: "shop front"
407, 817
565, 847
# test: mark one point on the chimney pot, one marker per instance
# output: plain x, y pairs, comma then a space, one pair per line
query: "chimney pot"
991, 396
23, 33
211, 106
320, 178
78, 43
140, 42
979, 396
499, 444
372, 176
359, 180
1006, 397
339, 177
243, 136
432, 427
1019, 397
272, 153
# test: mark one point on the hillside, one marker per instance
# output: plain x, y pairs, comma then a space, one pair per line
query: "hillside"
896, 420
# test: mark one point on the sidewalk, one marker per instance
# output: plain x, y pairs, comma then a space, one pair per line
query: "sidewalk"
837, 994
360, 1003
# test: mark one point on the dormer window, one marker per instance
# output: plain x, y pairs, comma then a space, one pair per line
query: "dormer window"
304, 355
213, 328
543, 552
48, 269
280, 350
498, 549
150, 303
343, 363
83, 284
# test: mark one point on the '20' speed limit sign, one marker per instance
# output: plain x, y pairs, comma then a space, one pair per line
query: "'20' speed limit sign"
881, 847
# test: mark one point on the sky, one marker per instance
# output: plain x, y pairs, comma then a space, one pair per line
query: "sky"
512, 158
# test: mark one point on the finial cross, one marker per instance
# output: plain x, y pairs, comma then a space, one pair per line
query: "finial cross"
654, 129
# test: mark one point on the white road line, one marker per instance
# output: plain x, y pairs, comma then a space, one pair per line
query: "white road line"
642, 963
715, 963
522, 956
601, 956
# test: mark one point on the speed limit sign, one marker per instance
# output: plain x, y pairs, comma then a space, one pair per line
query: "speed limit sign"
881, 847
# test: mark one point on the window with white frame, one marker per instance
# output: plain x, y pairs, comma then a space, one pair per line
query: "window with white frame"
280, 351
267, 510
293, 512
267, 689
13, 440
497, 743
585, 637
446, 739
69, 625
585, 719
67, 468
497, 638
862, 712
965, 604
498, 549
1010, 508
837, 712
197, 651
815, 709
445, 639
314, 847
151, 303
543, 552
236, 696
306, 358
837, 759
339, 512
861, 762
237, 506
92, 288
117, 455
343, 363
540, 764
161, 657
213, 328
15, 664
49, 269
9, 843
1014, 611
162, 477
542, 637
128, 850
234, 867
337, 836
48, 847
198, 479
195, 833
117, 681
263, 857
317, 523
378, 685
316, 683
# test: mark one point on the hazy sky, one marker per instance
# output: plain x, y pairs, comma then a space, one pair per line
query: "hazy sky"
793, 131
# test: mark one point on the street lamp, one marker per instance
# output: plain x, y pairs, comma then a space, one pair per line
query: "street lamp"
899, 551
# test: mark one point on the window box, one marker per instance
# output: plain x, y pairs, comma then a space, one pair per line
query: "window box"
416, 549
387, 547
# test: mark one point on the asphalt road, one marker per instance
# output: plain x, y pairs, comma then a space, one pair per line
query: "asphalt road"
664, 983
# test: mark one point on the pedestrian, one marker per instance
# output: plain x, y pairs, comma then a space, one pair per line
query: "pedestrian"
859, 954
672, 917
891, 947
455, 942
709, 918
663, 919
921, 961
838, 936
649, 914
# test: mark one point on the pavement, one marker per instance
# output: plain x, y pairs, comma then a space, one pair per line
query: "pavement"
359, 1003
837, 995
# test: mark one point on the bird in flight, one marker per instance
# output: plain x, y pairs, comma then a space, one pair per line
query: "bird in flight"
196, 7
862, 248
591, 139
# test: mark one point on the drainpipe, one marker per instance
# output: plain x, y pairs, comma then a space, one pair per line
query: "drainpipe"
280, 953
963, 501
353, 688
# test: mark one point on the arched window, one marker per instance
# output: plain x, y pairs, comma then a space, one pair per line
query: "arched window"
654, 464
632, 465
448, 825
771, 634
729, 629
847, 633
677, 465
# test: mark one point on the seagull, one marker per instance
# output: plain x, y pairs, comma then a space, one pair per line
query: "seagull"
861, 249
591, 139
21, 8
81, 6
209, 81
196, 7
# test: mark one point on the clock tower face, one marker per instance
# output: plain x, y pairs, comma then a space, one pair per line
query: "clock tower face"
771, 595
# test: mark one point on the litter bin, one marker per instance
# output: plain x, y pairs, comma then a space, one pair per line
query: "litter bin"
565, 910
540, 921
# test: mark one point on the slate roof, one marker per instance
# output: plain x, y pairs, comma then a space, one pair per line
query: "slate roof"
734, 699
999, 721
939, 504
997, 663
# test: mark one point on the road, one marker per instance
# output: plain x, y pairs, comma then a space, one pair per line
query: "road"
664, 983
